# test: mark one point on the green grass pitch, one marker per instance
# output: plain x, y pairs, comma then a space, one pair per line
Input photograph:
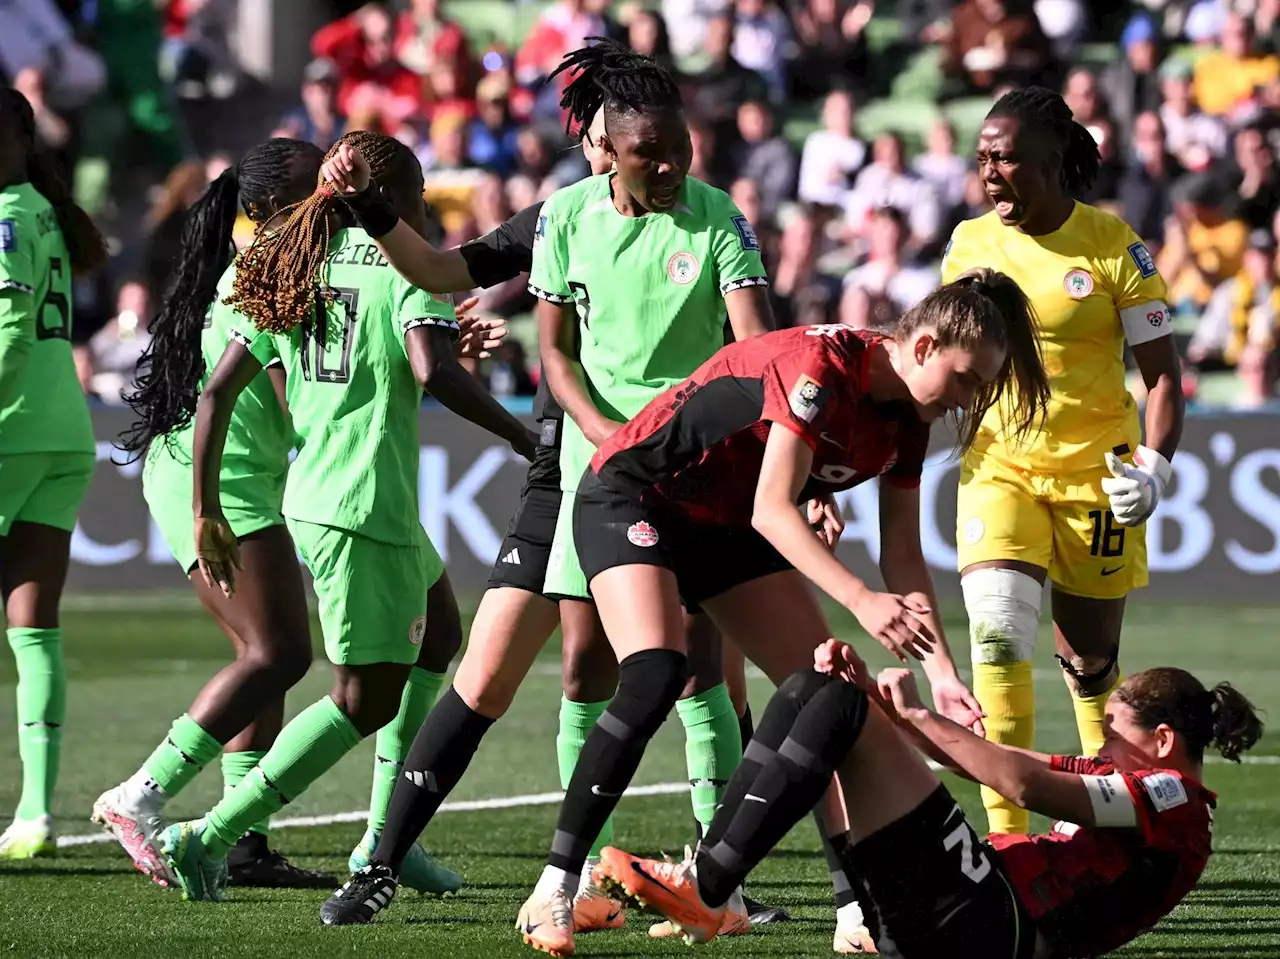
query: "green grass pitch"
133, 669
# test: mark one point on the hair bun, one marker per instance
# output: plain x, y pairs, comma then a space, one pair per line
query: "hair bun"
981, 288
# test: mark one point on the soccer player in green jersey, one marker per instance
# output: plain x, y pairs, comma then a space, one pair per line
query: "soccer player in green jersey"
46, 449
357, 358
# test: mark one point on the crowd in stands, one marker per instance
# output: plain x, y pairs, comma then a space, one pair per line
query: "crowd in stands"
842, 128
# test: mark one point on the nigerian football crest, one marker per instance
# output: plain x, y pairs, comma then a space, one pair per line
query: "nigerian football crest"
683, 268
1078, 284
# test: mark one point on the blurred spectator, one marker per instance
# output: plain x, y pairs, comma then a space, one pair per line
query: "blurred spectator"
163, 245
1145, 198
1202, 244
990, 42
1191, 135
761, 42
801, 295
426, 42
374, 88
443, 95
1132, 85
832, 156
536, 160
832, 45
35, 36
1225, 79
702, 142
693, 17
449, 179
717, 92
880, 290
53, 132
647, 35
746, 197
975, 202
765, 157
887, 182
1250, 179
196, 55
509, 371
1266, 26
1090, 110
1240, 325
941, 167
563, 26
491, 139
1065, 23
113, 352
317, 120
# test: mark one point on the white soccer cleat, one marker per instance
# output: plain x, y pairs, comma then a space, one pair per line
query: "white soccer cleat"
137, 827
853, 941
29, 839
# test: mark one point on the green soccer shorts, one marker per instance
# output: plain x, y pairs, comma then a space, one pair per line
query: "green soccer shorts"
564, 572
166, 486
372, 595
44, 488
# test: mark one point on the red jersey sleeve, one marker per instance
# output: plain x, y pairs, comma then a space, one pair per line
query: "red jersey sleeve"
912, 447
1081, 765
799, 391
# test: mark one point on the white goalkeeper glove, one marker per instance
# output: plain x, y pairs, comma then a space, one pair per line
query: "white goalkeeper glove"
1135, 490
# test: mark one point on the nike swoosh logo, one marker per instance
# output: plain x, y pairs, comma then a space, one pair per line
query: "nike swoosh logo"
652, 879
613, 915
595, 791
530, 926
755, 798
1110, 572
830, 439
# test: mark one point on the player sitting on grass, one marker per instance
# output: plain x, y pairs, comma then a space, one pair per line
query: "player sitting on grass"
357, 357
1132, 831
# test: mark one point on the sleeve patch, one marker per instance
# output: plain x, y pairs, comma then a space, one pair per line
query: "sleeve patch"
1166, 791
540, 232
746, 233
806, 398
1112, 804
8, 236
1142, 259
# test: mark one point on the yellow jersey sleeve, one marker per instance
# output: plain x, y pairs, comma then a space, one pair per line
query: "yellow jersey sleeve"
958, 255
1136, 287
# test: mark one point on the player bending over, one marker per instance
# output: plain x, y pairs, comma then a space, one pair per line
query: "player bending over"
357, 358
1132, 833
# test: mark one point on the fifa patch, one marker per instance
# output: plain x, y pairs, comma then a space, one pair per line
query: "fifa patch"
541, 231
8, 236
746, 233
1078, 284
946, 251
683, 268
1142, 259
642, 534
806, 398
418, 630
1166, 791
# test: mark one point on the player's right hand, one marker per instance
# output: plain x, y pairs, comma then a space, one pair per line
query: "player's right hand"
893, 621
527, 445
347, 170
601, 430
217, 553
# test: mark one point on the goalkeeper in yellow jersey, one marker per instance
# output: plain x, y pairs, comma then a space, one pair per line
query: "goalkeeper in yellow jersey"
1069, 503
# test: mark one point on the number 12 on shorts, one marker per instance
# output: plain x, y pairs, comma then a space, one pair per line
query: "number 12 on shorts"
973, 861
1108, 538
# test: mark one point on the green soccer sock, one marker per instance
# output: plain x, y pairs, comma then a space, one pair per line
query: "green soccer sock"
576, 722
42, 709
712, 747
393, 740
235, 766
180, 757
307, 748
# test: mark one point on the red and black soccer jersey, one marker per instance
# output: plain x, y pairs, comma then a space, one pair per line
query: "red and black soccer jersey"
1093, 889
698, 447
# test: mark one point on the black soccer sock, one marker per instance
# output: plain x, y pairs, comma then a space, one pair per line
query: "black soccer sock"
746, 729
786, 789
833, 847
438, 757
648, 683
779, 716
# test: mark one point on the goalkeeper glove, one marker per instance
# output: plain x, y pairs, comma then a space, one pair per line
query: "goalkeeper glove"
1134, 491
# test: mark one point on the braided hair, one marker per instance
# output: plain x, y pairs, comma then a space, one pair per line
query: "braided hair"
277, 279
611, 76
172, 366
1044, 110
85, 244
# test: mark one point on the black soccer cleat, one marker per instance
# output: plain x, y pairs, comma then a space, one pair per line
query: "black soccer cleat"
251, 862
761, 915
363, 896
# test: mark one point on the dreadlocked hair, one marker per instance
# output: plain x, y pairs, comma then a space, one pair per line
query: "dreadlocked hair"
85, 244
1043, 109
172, 367
277, 278
611, 75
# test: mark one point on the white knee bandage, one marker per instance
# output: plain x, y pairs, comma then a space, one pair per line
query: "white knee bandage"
1004, 614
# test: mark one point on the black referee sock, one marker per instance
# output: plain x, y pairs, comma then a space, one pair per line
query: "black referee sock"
746, 729
648, 683
786, 789
438, 757
833, 847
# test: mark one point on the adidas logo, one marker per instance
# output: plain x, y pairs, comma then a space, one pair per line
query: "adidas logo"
422, 779
512, 557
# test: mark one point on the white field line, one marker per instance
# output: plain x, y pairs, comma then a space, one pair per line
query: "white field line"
529, 799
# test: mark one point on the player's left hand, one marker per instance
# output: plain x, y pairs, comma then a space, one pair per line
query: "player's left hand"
347, 169
838, 659
1135, 491
217, 553
824, 516
952, 698
480, 335
898, 686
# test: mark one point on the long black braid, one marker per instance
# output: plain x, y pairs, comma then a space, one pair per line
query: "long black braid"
610, 74
1043, 109
172, 366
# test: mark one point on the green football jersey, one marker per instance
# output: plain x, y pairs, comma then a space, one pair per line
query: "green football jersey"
649, 292
255, 459
47, 413
352, 396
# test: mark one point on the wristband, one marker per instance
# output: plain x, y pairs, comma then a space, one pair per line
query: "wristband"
372, 210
